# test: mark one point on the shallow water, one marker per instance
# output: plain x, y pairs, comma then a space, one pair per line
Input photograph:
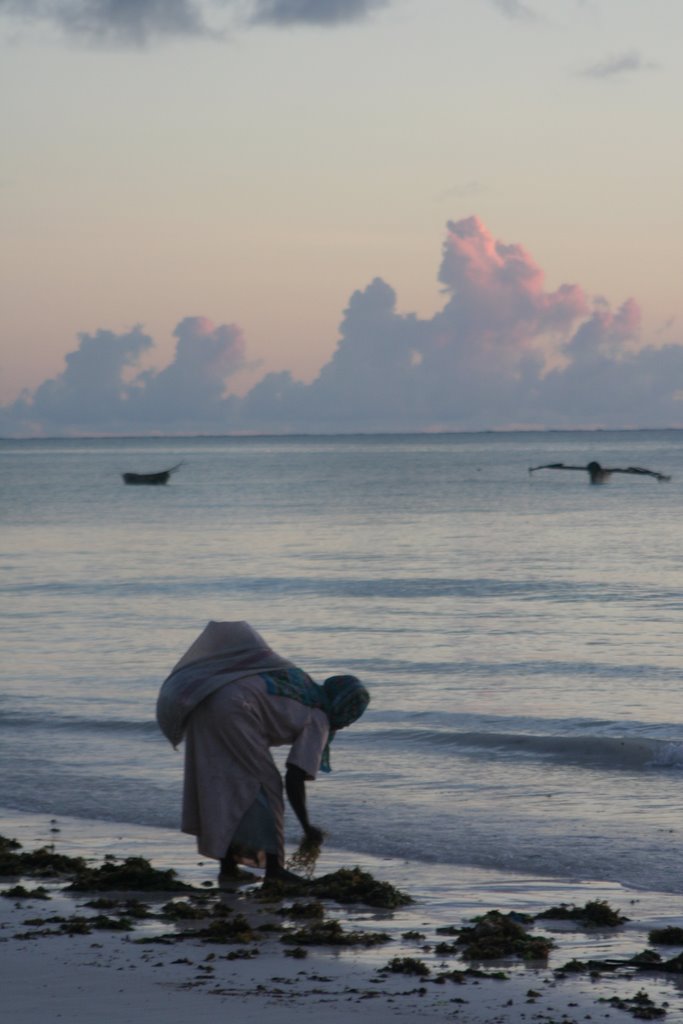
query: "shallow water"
520, 634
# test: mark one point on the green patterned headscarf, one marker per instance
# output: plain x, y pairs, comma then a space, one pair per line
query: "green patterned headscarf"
342, 698
347, 699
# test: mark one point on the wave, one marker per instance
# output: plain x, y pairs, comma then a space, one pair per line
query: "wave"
50, 721
591, 751
393, 668
602, 750
387, 587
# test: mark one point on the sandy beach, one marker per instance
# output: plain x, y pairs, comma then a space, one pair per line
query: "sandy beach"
149, 974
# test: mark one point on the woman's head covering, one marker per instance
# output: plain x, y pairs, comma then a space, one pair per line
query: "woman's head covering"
223, 653
346, 700
236, 640
227, 651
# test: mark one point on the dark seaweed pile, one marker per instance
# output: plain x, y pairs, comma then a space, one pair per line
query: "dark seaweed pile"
351, 885
132, 874
495, 936
206, 916
346, 886
202, 915
596, 913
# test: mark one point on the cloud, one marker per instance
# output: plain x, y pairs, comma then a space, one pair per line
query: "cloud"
137, 22
515, 9
193, 385
313, 12
621, 64
115, 21
604, 382
92, 388
102, 390
502, 350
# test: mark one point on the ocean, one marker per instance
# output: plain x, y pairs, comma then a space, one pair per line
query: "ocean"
520, 634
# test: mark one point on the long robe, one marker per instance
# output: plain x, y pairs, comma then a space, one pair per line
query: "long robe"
233, 791
216, 699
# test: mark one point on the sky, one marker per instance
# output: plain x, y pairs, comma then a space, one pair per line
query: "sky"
249, 216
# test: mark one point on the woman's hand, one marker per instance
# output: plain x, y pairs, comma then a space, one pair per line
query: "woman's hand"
295, 784
314, 835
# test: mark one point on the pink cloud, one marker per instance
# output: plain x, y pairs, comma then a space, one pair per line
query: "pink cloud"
498, 299
503, 350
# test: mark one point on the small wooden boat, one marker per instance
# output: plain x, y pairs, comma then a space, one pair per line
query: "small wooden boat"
599, 475
150, 478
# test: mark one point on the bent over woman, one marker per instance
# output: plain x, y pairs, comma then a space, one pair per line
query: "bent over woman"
232, 698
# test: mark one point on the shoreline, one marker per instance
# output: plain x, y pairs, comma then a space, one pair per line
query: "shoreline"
134, 977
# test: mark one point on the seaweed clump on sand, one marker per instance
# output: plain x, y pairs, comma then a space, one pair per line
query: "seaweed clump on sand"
331, 933
220, 925
352, 885
183, 910
41, 863
495, 936
348, 885
77, 924
669, 936
595, 913
312, 910
640, 1005
20, 892
134, 874
647, 960
225, 930
406, 965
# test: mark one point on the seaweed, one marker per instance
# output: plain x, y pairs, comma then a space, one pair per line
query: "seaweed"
640, 1005
78, 925
132, 874
221, 930
406, 965
595, 913
352, 885
460, 976
113, 924
496, 935
40, 863
672, 966
183, 910
331, 933
446, 948
20, 892
647, 960
129, 908
669, 936
224, 930
305, 858
312, 909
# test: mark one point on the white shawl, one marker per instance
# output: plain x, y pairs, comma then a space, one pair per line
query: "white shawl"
223, 653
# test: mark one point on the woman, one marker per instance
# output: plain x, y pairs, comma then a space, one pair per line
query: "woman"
232, 698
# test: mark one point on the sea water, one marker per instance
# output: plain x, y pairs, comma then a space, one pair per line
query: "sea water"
520, 633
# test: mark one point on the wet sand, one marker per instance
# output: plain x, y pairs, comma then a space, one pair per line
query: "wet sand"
132, 977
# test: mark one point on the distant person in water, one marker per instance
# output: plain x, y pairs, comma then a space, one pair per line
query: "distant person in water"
232, 698
598, 475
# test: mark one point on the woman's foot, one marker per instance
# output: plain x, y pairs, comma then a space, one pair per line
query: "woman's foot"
231, 874
275, 872
229, 866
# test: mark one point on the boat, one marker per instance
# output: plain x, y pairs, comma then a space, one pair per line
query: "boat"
150, 478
